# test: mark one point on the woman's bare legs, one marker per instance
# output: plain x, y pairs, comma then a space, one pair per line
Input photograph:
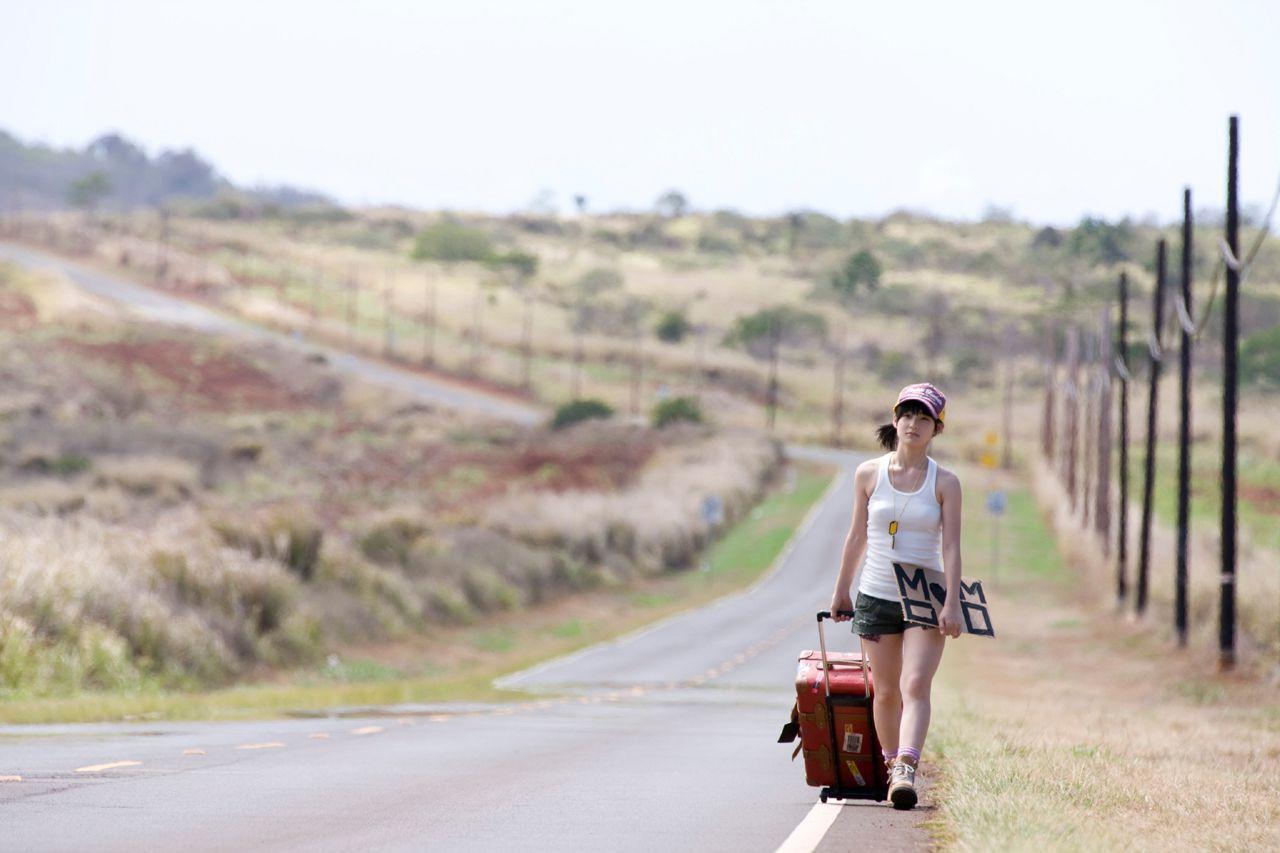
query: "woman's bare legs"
885, 656
921, 654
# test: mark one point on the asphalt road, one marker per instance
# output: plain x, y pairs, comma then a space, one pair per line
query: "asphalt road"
661, 740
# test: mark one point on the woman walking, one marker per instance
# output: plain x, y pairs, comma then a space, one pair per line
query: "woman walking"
906, 510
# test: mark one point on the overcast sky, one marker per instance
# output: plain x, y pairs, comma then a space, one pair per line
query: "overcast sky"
852, 107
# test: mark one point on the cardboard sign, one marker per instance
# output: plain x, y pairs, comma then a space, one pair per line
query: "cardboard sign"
924, 591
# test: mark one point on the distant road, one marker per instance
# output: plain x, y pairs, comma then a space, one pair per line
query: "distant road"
161, 307
661, 740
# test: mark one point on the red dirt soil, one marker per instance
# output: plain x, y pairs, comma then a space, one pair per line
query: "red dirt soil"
202, 380
17, 311
550, 463
1262, 497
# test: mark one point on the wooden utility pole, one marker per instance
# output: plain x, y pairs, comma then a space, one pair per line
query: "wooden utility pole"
388, 313
1048, 426
1149, 471
1087, 431
1006, 430
476, 334
837, 396
1184, 429
637, 364
771, 400
1230, 389
1122, 368
526, 340
1071, 399
353, 307
162, 262
700, 359
1102, 500
429, 323
317, 281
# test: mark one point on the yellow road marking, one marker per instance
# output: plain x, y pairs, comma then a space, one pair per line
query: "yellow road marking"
275, 744
439, 718
405, 721
319, 736
193, 752
10, 778
367, 730
95, 768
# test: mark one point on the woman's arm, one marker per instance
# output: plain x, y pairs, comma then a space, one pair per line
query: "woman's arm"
855, 544
949, 496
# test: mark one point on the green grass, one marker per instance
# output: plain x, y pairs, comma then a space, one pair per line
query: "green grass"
1027, 550
739, 557
1254, 472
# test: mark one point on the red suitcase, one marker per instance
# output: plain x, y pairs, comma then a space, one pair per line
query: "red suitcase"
833, 719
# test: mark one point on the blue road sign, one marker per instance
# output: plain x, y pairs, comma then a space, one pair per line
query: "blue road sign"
996, 502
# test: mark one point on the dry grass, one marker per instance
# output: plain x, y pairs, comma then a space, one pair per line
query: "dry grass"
656, 523
84, 603
1076, 731
1258, 583
167, 478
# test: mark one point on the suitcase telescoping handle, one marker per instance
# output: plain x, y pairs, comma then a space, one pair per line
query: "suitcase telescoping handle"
826, 668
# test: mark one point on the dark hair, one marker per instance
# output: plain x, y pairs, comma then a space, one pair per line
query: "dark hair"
887, 434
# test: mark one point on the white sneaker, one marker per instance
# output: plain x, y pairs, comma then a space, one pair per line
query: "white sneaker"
902, 785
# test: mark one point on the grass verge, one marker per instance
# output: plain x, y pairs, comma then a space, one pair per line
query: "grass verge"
1080, 730
459, 664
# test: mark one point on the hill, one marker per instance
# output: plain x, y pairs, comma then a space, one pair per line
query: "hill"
114, 173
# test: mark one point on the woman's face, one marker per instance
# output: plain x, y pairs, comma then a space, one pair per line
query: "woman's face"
915, 429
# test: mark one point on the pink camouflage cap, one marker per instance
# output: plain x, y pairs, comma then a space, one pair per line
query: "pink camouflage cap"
934, 400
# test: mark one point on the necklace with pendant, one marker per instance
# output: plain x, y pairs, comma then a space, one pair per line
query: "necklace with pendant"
897, 513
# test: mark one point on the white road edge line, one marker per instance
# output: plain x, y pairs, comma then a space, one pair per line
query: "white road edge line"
809, 833
513, 680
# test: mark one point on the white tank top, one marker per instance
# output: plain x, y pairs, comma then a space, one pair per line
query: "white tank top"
919, 537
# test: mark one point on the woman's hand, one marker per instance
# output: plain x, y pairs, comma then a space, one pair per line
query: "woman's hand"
949, 619
840, 601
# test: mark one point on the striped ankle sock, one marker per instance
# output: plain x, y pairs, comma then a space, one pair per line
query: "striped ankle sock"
889, 756
909, 752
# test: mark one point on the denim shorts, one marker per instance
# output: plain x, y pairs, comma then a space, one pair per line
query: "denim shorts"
873, 617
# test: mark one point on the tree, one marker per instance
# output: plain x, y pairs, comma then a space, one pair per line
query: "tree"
523, 264
1100, 241
672, 327
672, 204
451, 241
754, 332
89, 190
859, 270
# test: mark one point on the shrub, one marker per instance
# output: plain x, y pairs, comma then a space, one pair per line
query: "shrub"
288, 535
672, 327
716, 244
391, 535
452, 241
576, 411
70, 463
599, 280
1260, 359
859, 270
675, 410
